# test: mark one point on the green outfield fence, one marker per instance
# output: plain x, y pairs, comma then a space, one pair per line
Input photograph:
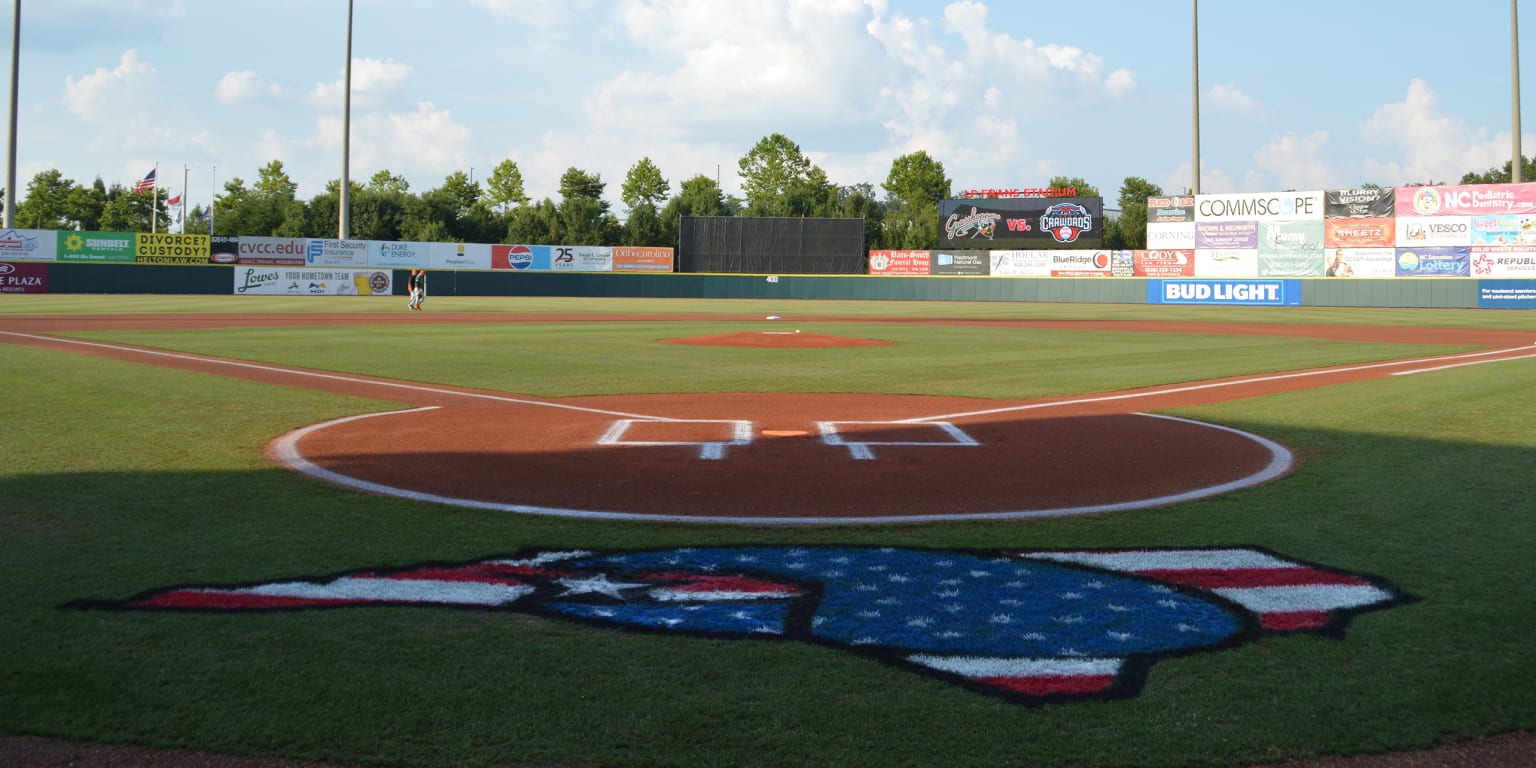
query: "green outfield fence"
1320, 292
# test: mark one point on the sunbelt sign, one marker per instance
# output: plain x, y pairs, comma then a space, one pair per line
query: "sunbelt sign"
1269, 293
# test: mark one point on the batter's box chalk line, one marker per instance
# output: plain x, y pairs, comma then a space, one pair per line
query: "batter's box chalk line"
834, 433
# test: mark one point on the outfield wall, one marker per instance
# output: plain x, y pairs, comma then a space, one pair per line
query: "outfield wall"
237, 280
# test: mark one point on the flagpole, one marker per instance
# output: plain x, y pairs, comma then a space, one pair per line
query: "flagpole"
10, 165
154, 201
183, 217
213, 199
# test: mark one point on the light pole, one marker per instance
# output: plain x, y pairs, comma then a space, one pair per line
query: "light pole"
344, 218
1517, 161
10, 162
1194, 163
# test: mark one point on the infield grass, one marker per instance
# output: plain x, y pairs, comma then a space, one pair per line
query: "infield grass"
120, 477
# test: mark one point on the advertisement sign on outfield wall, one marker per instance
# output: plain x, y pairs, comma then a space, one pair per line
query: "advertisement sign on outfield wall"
1368, 203
1167, 210
29, 245
1360, 262
520, 257
1020, 264
899, 262
1291, 248
336, 253
1171, 236
459, 256
224, 249
1506, 294
273, 251
309, 281
580, 258
1227, 262
1466, 200
1360, 233
1434, 262
642, 259
391, 255
1267, 293
1166, 263
960, 263
110, 247
1261, 206
168, 248
1504, 261
26, 277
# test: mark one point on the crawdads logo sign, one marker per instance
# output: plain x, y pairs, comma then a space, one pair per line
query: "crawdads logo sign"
1028, 626
1065, 221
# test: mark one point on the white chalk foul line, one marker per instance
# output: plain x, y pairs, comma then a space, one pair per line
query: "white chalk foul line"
333, 376
1233, 383
1460, 365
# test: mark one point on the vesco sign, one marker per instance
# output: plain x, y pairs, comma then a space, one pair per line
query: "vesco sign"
1268, 293
1256, 207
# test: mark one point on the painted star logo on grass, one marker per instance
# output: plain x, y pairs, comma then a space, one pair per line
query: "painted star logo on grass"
1030, 626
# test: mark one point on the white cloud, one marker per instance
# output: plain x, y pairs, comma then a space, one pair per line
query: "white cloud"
372, 82
243, 87
1429, 144
1120, 82
105, 94
1298, 162
1229, 98
424, 145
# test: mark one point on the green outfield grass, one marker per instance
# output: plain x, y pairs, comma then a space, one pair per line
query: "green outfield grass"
119, 478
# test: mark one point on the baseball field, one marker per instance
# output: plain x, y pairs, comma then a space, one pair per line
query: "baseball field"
560, 532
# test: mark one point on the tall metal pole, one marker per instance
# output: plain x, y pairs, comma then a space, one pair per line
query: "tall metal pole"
10, 162
1516, 162
1194, 163
182, 217
344, 223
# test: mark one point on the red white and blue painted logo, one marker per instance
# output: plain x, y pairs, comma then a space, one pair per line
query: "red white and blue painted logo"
1030, 626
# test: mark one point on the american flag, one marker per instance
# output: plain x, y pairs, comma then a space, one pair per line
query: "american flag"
147, 183
1028, 626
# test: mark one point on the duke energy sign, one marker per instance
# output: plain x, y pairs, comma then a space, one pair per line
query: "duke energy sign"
1268, 293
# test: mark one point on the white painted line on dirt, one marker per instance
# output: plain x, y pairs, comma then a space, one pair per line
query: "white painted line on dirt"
741, 434
1212, 385
860, 449
333, 376
1459, 365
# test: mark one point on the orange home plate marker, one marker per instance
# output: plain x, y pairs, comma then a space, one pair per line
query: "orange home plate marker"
785, 433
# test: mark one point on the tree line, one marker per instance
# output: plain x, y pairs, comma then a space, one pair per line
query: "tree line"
777, 180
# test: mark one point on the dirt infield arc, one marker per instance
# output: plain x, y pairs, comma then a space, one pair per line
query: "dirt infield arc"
779, 458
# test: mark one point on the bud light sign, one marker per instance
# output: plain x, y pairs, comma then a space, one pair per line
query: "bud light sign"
1266, 293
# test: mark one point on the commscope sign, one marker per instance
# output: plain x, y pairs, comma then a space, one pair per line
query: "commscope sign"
1266, 293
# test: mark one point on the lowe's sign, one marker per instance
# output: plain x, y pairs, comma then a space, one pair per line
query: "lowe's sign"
1268, 293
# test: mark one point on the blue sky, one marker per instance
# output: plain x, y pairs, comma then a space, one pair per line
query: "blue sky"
1302, 95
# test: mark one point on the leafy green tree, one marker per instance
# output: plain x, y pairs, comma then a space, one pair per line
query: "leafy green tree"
47, 204
643, 227
858, 202
132, 211
584, 216
535, 224
916, 180
505, 187
1133, 212
779, 180
384, 181
1084, 189
644, 185
87, 204
1501, 174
